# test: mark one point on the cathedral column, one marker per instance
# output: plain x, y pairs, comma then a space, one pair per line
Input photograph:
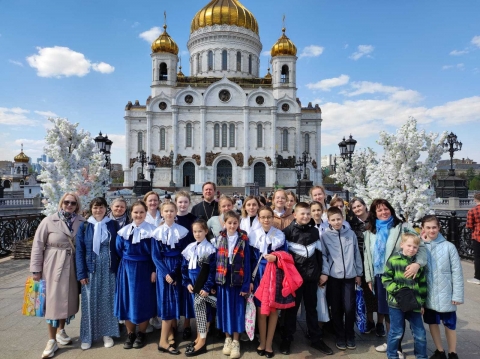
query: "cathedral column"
246, 146
148, 150
203, 144
174, 139
318, 151
298, 139
128, 180
273, 112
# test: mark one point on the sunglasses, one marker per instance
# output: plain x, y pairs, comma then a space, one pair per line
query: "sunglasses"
69, 203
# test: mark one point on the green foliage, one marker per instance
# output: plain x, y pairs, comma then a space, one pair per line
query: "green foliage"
474, 184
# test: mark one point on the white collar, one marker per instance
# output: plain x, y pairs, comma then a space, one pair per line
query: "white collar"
144, 230
170, 235
245, 224
155, 221
261, 240
197, 252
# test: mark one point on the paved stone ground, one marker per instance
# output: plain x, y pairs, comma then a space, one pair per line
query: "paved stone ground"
25, 337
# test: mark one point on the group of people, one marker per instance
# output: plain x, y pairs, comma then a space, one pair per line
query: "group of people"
160, 261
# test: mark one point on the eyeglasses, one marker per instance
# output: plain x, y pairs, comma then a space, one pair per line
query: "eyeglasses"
266, 218
69, 203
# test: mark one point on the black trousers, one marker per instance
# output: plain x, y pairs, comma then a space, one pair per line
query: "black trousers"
308, 291
476, 258
341, 298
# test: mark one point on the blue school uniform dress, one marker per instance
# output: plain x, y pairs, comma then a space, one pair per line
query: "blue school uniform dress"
186, 302
264, 243
230, 304
135, 297
193, 257
167, 246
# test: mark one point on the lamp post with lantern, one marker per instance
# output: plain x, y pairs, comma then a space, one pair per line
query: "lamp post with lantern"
104, 145
172, 184
347, 148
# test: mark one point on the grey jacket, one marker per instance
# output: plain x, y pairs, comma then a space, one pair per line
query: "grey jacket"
341, 256
444, 276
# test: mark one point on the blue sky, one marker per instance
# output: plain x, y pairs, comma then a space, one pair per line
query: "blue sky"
368, 64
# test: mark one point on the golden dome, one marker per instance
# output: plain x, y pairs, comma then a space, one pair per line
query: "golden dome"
180, 73
21, 157
224, 12
268, 75
284, 46
164, 43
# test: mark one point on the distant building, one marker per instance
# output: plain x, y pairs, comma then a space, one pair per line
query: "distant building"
461, 167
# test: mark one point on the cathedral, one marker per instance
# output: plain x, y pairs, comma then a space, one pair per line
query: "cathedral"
226, 122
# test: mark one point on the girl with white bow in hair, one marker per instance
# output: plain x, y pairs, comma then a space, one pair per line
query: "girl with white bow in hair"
135, 297
97, 264
168, 242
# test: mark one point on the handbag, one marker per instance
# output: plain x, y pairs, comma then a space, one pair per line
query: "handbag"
406, 300
34, 298
361, 310
322, 305
250, 312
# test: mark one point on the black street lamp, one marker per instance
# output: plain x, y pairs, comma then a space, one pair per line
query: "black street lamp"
298, 170
452, 145
347, 147
100, 142
142, 158
276, 166
151, 169
104, 145
172, 184
306, 158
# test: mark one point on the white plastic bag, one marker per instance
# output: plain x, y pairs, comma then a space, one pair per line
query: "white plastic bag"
250, 313
322, 306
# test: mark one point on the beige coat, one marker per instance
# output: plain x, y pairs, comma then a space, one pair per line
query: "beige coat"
53, 255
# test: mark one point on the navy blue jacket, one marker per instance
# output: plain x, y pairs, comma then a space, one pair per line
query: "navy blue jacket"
85, 257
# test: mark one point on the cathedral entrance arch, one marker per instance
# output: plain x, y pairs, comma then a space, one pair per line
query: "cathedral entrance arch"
188, 174
224, 173
259, 174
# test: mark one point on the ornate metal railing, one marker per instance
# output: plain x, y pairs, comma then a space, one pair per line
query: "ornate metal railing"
454, 230
17, 228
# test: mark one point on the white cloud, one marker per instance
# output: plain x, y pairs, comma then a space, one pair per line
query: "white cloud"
459, 66
476, 41
151, 35
312, 51
15, 117
362, 50
345, 46
18, 63
103, 68
266, 53
396, 93
135, 24
458, 52
46, 114
327, 84
61, 61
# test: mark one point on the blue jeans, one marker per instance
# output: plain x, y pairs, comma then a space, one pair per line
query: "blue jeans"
397, 327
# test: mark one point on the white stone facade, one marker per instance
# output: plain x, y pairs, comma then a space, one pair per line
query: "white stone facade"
213, 117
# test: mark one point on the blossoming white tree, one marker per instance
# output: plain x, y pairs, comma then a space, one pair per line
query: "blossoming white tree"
402, 175
78, 166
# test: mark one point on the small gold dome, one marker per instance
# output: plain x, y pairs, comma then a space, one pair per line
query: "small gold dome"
21, 157
180, 73
268, 75
164, 43
284, 47
224, 12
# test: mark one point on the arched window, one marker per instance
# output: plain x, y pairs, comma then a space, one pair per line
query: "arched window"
232, 135
210, 60
285, 140
239, 61
285, 78
259, 135
249, 64
199, 64
224, 59
162, 139
140, 141
188, 135
216, 135
224, 135
307, 142
163, 72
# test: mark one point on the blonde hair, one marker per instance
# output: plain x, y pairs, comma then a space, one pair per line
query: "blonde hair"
406, 236
275, 194
316, 187
150, 193
226, 198
166, 204
182, 194
79, 204
249, 198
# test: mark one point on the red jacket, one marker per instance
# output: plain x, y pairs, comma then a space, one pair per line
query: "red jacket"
473, 222
278, 284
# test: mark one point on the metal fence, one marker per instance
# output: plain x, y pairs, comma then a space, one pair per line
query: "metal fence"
17, 228
454, 230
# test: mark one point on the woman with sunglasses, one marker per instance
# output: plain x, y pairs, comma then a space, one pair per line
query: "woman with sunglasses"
53, 259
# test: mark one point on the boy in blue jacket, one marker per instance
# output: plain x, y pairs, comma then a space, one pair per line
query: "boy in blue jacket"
342, 267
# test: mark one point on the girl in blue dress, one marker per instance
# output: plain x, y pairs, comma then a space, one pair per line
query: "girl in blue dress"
263, 241
168, 242
135, 292
233, 282
196, 256
185, 219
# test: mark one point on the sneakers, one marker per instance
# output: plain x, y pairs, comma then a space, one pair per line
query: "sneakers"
154, 322
85, 346
149, 328
400, 355
341, 345
381, 348
235, 351
452, 356
351, 344
370, 327
50, 349
129, 342
321, 346
107, 342
380, 330
227, 347
285, 347
438, 355
473, 281
63, 338
139, 340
